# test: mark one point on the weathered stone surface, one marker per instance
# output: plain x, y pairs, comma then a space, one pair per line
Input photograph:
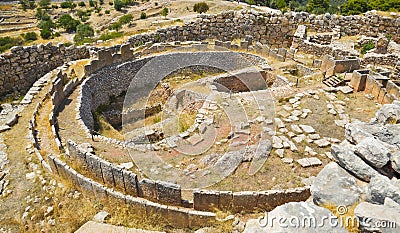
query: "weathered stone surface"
347, 159
147, 189
168, 193
308, 162
381, 187
302, 213
374, 151
377, 218
395, 161
389, 113
334, 185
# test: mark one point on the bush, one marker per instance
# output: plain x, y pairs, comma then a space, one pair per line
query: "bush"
101, 2
143, 15
115, 26
68, 4
45, 33
366, 47
30, 36
118, 4
92, 3
110, 35
54, 6
44, 3
46, 24
8, 42
125, 19
200, 7
42, 15
110, 3
82, 4
68, 23
57, 34
107, 12
355, 7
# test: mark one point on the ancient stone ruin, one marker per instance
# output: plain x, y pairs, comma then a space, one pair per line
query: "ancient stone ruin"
283, 102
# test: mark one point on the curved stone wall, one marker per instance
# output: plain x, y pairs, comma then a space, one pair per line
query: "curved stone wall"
270, 28
20, 68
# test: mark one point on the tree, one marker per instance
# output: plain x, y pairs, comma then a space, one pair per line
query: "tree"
83, 31
118, 4
68, 4
116, 26
251, 2
46, 24
281, 4
165, 12
42, 15
125, 19
355, 7
82, 4
143, 15
200, 7
68, 23
44, 4
317, 6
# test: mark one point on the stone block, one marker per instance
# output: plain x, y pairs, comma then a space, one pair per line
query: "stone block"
168, 193
99, 190
201, 219
205, 200
126, 52
147, 189
118, 178
225, 200
84, 183
53, 165
154, 210
115, 196
94, 167
130, 183
244, 201
108, 177
139, 205
178, 217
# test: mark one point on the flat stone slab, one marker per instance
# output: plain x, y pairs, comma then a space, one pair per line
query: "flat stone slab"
322, 142
195, 139
345, 89
307, 129
308, 162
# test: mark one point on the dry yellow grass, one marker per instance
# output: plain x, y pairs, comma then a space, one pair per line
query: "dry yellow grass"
346, 216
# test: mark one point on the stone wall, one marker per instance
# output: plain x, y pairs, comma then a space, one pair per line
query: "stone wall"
247, 201
20, 68
380, 87
270, 28
123, 180
175, 216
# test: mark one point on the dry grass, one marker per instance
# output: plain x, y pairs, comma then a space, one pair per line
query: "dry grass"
348, 219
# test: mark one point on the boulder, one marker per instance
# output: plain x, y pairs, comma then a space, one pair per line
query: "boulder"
334, 185
377, 218
347, 159
388, 114
395, 161
382, 187
374, 151
296, 217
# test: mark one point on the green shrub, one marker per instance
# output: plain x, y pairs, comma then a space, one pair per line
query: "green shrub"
110, 35
68, 4
45, 33
143, 15
118, 4
8, 42
82, 4
200, 7
115, 26
57, 34
164, 12
368, 46
107, 12
125, 19
54, 6
30, 36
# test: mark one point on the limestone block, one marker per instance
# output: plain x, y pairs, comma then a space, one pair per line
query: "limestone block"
130, 183
201, 219
225, 200
94, 167
168, 193
139, 205
118, 178
244, 201
147, 189
178, 217
108, 177
206, 200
